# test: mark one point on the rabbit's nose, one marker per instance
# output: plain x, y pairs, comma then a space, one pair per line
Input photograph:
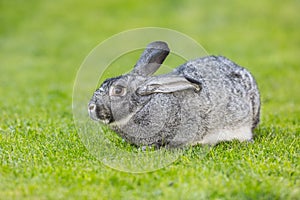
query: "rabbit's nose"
92, 111
92, 107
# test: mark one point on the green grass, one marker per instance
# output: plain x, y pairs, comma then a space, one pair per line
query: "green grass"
43, 43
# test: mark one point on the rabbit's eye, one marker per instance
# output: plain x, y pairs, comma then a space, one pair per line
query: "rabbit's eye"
117, 91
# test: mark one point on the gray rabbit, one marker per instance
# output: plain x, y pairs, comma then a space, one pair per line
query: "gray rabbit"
204, 101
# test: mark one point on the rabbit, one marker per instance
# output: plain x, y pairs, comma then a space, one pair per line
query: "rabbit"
204, 101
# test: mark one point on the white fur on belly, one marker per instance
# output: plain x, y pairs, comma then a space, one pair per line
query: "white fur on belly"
241, 134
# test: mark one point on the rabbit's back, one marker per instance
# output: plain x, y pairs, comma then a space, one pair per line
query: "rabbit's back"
218, 69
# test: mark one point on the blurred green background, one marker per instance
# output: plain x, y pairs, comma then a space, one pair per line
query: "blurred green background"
42, 45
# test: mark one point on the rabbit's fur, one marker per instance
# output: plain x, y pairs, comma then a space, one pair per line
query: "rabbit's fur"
206, 100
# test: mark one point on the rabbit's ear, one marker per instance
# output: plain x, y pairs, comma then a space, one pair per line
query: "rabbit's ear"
167, 84
152, 57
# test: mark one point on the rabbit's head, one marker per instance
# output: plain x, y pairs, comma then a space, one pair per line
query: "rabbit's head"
119, 98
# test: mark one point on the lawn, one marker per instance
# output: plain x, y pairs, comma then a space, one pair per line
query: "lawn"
43, 44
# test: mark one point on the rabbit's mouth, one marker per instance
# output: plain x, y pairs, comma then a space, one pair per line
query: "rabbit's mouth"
100, 113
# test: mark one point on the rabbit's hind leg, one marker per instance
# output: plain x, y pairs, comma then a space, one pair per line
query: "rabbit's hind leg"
241, 134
